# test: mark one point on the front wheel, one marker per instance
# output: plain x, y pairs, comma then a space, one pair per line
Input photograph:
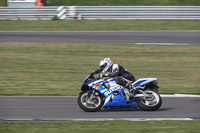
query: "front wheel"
150, 103
90, 105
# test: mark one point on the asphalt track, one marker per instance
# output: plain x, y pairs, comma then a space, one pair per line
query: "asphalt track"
191, 37
66, 108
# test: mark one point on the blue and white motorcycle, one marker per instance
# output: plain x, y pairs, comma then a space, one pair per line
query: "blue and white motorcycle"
105, 92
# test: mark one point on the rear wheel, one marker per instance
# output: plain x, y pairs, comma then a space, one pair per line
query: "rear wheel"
150, 103
90, 105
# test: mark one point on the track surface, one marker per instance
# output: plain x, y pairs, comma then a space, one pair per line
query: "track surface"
12, 107
191, 37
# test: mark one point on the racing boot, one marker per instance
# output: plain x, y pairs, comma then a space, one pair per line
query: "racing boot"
128, 93
136, 89
131, 90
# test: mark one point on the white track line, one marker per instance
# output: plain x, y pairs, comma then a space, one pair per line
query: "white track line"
165, 43
179, 95
97, 119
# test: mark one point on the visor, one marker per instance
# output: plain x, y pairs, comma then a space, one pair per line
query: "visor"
103, 66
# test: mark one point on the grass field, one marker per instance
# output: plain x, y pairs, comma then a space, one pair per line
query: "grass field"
100, 127
120, 2
99, 25
124, 2
3, 2
59, 68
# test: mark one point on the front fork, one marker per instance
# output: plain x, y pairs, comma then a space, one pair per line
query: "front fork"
92, 95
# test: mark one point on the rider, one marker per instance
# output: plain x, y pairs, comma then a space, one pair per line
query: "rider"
122, 76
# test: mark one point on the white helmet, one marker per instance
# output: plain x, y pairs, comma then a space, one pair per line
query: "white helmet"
105, 64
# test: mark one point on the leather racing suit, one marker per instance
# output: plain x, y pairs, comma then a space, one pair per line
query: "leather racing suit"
121, 75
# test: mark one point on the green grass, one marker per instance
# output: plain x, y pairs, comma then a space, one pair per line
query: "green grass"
3, 3
99, 25
120, 2
125, 2
100, 127
59, 68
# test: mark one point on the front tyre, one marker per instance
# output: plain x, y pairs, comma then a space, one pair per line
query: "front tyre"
90, 105
151, 103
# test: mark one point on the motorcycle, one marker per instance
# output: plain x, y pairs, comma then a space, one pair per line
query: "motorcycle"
98, 92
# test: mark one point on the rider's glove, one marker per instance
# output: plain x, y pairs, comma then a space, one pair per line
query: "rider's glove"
103, 75
97, 71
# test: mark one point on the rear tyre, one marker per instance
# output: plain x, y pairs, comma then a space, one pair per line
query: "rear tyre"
89, 105
151, 103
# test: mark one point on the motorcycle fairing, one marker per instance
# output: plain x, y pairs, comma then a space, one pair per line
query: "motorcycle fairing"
89, 79
110, 98
143, 81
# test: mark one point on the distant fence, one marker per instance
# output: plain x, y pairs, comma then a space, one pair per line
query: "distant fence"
139, 12
34, 13
102, 12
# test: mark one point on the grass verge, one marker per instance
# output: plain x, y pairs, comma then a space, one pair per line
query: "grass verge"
119, 2
3, 3
100, 126
59, 68
99, 25
125, 2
